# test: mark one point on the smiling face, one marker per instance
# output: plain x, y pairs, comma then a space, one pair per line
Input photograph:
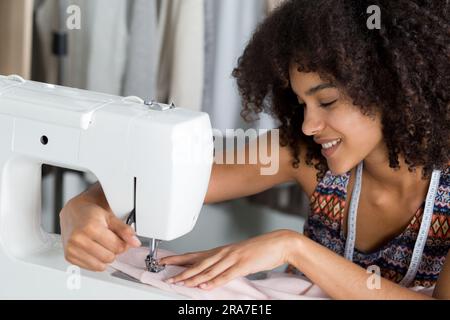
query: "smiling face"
346, 135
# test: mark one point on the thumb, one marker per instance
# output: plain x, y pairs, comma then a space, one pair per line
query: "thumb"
124, 231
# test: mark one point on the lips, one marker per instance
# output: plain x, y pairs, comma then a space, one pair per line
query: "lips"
324, 141
330, 151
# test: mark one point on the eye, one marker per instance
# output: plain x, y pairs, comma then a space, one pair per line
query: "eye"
325, 105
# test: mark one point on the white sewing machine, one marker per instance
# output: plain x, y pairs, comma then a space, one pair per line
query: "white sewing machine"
152, 158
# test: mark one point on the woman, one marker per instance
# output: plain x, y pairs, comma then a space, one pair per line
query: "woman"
365, 130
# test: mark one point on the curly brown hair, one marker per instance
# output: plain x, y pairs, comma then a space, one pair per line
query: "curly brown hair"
401, 71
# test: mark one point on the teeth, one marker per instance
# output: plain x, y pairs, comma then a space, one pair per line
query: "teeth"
331, 144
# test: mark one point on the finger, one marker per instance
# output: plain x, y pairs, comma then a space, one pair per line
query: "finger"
196, 269
222, 279
110, 241
86, 261
182, 260
98, 251
209, 274
124, 231
79, 263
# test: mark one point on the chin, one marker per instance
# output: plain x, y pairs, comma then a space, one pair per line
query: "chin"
339, 168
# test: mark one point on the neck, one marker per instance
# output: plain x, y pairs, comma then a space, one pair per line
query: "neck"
399, 182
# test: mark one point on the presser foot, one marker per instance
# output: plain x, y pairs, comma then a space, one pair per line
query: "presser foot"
153, 265
151, 262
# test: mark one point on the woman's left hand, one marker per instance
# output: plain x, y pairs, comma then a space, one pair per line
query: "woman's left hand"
213, 268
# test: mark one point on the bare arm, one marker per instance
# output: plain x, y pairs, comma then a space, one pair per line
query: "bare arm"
342, 279
232, 181
94, 194
442, 290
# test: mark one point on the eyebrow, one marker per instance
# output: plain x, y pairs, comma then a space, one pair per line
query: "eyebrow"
319, 87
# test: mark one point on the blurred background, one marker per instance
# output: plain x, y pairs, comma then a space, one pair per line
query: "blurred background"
180, 51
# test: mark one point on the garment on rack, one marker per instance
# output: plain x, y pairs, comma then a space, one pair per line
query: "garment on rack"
96, 52
181, 54
273, 4
76, 63
229, 26
108, 46
276, 286
16, 23
142, 56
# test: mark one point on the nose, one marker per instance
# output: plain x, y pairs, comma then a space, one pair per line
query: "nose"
312, 123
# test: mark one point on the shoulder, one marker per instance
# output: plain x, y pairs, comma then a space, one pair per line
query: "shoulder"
306, 175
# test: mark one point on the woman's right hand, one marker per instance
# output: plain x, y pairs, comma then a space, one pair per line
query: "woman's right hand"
92, 236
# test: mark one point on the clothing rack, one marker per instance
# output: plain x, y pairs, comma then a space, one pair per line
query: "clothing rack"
16, 37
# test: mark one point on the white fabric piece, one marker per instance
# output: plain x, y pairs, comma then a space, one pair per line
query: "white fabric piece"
276, 286
181, 57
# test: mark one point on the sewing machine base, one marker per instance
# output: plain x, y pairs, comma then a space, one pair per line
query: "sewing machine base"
46, 275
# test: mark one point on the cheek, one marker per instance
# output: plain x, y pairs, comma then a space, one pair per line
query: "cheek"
358, 131
360, 136
364, 136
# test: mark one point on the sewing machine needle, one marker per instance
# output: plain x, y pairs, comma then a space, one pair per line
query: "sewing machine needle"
151, 262
153, 249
